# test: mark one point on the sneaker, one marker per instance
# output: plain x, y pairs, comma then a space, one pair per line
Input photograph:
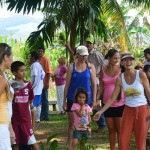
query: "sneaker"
38, 121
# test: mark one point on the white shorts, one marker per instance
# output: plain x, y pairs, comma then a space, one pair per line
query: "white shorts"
5, 137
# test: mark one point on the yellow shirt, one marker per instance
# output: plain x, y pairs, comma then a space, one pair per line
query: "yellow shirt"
4, 114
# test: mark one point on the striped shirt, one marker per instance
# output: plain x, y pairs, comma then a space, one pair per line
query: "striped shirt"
97, 59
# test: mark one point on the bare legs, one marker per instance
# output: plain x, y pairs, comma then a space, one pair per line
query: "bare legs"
70, 127
114, 126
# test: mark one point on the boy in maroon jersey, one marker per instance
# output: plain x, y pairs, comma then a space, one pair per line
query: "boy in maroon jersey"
21, 118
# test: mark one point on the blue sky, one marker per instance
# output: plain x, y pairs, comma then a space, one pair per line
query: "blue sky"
18, 25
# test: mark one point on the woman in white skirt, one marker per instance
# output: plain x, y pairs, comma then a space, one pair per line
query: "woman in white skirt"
6, 132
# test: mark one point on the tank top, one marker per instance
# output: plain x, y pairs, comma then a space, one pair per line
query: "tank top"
80, 80
4, 112
134, 93
109, 85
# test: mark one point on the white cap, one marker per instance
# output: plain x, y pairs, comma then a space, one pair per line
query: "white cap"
82, 50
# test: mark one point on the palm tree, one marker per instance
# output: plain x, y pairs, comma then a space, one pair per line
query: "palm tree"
77, 17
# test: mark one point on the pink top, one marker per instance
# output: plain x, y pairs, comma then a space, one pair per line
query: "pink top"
80, 123
59, 75
109, 85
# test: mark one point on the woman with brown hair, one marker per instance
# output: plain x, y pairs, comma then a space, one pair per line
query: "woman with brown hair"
113, 115
6, 95
133, 82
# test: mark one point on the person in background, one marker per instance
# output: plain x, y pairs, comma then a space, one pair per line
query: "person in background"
21, 118
45, 63
37, 76
97, 59
6, 95
147, 56
79, 74
108, 77
81, 116
146, 69
60, 80
133, 82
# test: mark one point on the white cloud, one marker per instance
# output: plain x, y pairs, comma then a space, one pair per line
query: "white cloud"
20, 26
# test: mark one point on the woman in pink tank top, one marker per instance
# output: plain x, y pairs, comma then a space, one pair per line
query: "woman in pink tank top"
113, 115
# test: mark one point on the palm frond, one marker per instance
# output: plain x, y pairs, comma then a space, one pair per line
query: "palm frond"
24, 5
115, 17
45, 33
145, 3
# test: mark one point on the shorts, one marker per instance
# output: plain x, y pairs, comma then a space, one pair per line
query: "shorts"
69, 105
79, 134
5, 143
114, 112
37, 100
24, 134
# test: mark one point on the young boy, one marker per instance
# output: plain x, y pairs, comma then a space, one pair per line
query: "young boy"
37, 76
21, 118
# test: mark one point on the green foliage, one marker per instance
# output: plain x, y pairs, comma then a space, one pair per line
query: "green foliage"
51, 143
84, 145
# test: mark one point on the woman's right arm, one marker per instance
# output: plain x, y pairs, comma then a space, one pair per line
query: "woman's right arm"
111, 100
68, 79
3, 83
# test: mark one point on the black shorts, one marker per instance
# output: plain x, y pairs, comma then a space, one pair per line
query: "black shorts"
69, 105
114, 112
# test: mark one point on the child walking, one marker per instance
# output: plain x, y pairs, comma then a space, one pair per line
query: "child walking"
21, 118
81, 115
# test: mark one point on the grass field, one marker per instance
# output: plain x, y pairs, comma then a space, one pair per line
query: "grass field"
58, 124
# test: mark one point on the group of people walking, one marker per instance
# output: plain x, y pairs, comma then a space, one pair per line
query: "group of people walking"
123, 91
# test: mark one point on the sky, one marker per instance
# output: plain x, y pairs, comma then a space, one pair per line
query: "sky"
5, 13
20, 26
17, 25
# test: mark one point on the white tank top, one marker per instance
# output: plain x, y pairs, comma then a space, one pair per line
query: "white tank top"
134, 93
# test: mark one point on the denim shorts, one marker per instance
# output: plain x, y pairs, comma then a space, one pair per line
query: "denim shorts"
79, 134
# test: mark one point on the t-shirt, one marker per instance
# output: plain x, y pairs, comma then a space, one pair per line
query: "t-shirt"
46, 66
38, 72
80, 123
20, 105
59, 75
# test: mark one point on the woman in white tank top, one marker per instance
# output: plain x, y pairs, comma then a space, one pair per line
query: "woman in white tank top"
135, 114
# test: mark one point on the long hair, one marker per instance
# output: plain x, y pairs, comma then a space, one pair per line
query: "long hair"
5, 49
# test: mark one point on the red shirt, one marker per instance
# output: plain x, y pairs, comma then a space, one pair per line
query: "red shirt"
20, 105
